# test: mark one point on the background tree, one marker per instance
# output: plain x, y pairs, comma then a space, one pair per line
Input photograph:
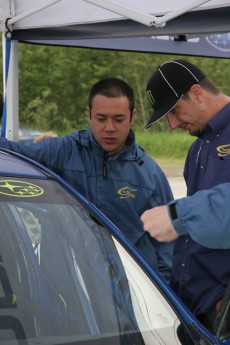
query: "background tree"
54, 82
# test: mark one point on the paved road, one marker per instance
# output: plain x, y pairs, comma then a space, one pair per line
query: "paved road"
176, 180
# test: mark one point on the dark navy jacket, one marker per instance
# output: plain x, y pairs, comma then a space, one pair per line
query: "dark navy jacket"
201, 275
122, 185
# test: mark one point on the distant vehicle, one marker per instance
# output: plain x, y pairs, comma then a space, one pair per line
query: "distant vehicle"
68, 276
27, 135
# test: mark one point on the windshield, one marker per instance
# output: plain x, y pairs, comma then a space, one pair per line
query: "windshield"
65, 280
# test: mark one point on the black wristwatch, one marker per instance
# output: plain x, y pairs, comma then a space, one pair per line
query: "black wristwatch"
173, 212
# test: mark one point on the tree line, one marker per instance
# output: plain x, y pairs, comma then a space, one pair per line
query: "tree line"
54, 82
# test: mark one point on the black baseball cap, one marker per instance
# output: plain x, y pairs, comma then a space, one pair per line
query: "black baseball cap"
168, 84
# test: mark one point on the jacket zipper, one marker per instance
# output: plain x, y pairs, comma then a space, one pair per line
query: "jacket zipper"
104, 166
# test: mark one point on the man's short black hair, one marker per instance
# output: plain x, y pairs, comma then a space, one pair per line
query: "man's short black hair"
112, 87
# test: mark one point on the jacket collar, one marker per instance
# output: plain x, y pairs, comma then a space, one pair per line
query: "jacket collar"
131, 152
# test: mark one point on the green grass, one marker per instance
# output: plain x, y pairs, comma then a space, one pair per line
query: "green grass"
167, 148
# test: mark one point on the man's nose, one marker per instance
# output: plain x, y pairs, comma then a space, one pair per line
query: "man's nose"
109, 126
172, 121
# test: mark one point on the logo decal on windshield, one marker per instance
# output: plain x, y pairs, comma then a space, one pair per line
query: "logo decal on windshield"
20, 189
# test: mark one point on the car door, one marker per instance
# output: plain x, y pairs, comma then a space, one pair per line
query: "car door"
68, 276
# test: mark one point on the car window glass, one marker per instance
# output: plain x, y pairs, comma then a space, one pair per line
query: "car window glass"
64, 278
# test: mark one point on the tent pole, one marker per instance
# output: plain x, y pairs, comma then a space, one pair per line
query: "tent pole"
167, 17
32, 11
3, 62
12, 119
144, 18
128, 12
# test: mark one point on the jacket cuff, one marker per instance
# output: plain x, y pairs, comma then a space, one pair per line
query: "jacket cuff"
174, 215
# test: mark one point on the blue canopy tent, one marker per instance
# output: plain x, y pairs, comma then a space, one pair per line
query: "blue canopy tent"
184, 27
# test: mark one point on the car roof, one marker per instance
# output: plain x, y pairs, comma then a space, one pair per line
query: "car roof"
16, 165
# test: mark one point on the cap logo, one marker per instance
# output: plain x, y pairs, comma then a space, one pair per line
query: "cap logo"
150, 97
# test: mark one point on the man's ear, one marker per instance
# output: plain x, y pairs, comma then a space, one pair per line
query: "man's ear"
133, 115
196, 91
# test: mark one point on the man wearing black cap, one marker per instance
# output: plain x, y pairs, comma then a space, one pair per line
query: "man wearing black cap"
181, 91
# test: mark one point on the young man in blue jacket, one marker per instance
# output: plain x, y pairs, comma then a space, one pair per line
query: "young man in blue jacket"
106, 165
191, 102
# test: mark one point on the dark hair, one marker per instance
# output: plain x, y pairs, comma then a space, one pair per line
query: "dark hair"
112, 87
208, 85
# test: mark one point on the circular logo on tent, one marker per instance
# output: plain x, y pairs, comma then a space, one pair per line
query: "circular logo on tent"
220, 42
20, 189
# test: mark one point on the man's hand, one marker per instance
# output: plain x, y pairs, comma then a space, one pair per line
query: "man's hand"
157, 222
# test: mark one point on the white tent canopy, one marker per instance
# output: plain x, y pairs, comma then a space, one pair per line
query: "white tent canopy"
172, 26
87, 19
31, 14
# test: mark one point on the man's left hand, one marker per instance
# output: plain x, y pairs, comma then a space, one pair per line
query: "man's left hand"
157, 222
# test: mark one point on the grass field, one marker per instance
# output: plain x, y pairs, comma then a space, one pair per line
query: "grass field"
167, 148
